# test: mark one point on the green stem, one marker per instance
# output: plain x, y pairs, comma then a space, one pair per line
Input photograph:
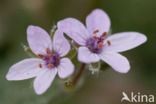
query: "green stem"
78, 75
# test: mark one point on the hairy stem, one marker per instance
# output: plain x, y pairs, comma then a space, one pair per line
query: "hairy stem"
78, 75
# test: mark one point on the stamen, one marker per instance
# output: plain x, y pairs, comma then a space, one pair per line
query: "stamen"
96, 38
50, 66
50, 56
41, 55
104, 34
40, 65
95, 31
108, 42
48, 50
100, 45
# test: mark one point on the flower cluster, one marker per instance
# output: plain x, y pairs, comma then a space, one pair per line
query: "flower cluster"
94, 45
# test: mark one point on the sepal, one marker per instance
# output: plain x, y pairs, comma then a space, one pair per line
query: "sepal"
29, 51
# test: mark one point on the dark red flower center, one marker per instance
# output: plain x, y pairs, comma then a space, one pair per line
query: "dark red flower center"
95, 44
50, 60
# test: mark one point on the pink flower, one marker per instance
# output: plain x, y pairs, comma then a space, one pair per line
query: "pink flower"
94, 45
50, 62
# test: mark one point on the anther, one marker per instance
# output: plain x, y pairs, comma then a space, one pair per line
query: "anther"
95, 38
40, 65
50, 56
104, 34
100, 45
95, 31
108, 42
50, 66
41, 55
47, 50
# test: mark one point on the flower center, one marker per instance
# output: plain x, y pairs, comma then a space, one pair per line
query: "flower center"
95, 44
50, 60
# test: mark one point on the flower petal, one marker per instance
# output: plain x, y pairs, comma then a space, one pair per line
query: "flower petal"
74, 29
118, 62
24, 69
66, 68
98, 20
60, 43
44, 80
86, 56
38, 39
125, 41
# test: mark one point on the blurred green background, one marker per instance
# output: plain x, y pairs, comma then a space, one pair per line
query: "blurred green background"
105, 88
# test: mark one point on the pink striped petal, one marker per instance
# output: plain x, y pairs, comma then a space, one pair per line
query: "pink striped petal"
38, 39
60, 43
44, 80
66, 68
124, 41
25, 69
98, 20
118, 62
86, 56
74, 29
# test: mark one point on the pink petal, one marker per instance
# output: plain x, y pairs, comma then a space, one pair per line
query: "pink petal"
74, 29
38, 39
66, 68
44, 80
125, 41
98, 20
60, 43
24, 69
86, 56
118, 62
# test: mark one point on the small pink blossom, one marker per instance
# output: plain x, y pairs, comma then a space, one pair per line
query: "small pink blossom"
50, 62
94, 45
